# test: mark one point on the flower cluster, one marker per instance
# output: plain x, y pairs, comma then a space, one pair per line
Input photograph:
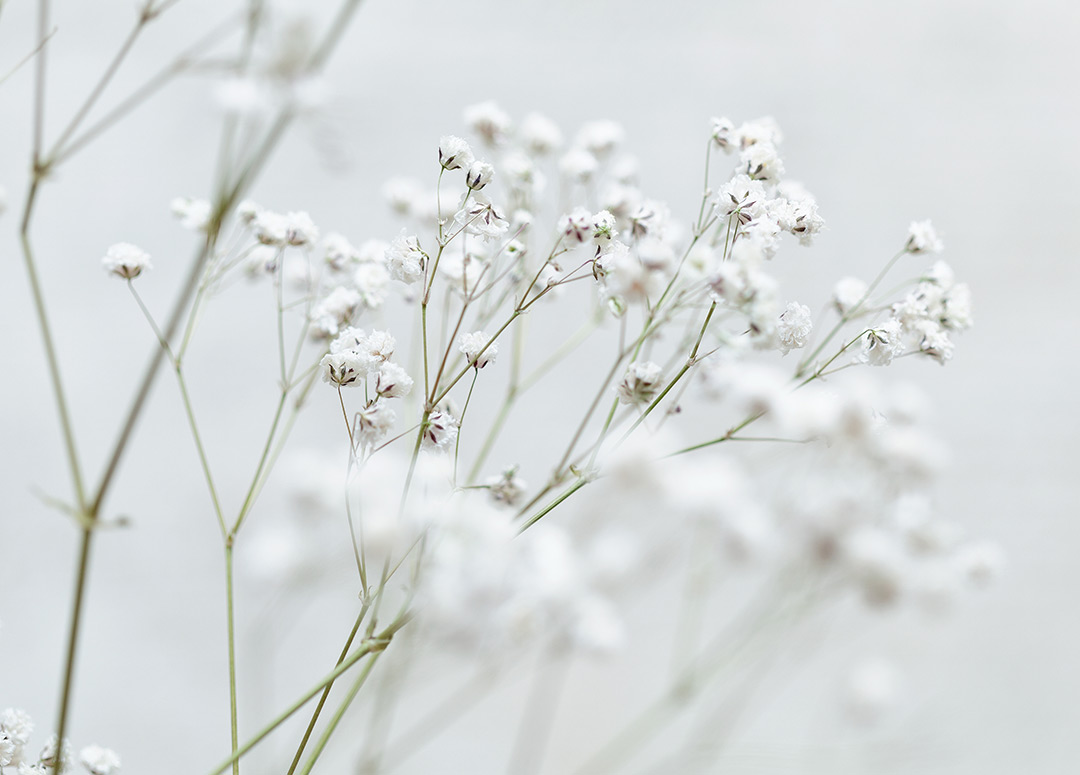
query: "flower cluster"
15, 730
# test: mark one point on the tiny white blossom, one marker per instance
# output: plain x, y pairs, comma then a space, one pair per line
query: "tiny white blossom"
126, 260
300, 230
489, 121
454, 153
440, 432
506, 489
193, 214
761, 161
338, 252
577, 226
884, 343
540, 135
373, 423
922, 238
578, 165
392, 381
271, 228
345, 368
98, 760
17, 725
479, 175
640, 384
600, 138
405, 260
847, 293
472, 346
794, 327
723, 134
603, 227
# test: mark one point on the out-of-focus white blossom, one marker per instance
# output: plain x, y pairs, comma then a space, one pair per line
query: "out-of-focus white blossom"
126, 260
405, 260
794, 327
923, 238
98, 760
641, 383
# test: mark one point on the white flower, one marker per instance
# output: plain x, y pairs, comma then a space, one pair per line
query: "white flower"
489, 121
761, 161
539, 134
640, 384
373, 423
300, 230
345, 368
922, 238
247, 211
454, 153
270, 228
741, 195
17, 725
392, 381
883, 343
193, 214
723, 134
480, 216
405, 260
847, 293
578, 165
7, 749
371, 280
577, 226
404, 195
760, 130
334, 311
794, 327
50, 757
472, 346
600, 138
338, 252
440, 431
261, 260
126, 260
506, 489
479, 175
603, 227
98, 760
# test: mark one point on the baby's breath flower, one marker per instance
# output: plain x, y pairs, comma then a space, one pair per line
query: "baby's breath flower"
126, 260
345, 368
17, 725
641, 383
577, 226
479, 175
723, 134
794, 327
193, 214
403, 195
883, 343
454, 153
371, 280
373, 423
603, 227
489, 121
480, 216
98, 760
540, 135
391, 381
760, 130
261, 260
271, 228
847, 293
300, 230
506, 489
405, 259
7, 749
335, 311
600, 138
338, 252
922, 238
247, 211
578, 165
473, 347
440, 432
761, 161
56, 757
649, 219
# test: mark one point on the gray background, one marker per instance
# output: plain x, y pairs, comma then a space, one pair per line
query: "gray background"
965, 112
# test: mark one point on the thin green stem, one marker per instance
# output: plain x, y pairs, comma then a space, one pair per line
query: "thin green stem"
324, 738
231, 614
326, 691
